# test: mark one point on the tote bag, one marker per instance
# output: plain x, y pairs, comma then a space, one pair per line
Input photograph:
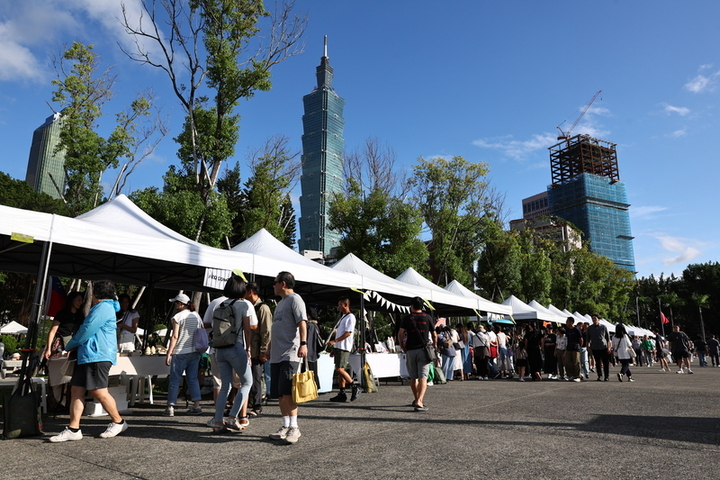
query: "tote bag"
304, 387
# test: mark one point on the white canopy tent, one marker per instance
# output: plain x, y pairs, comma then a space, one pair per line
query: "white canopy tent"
522, 311
556, 318
483, 304
13, 328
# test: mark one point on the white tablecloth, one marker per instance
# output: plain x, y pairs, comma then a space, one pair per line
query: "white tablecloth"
383, 365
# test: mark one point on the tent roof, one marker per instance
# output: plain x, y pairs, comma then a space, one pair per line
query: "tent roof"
438, 294
97, 246
556, 318
523, 311
13, 328
486, 305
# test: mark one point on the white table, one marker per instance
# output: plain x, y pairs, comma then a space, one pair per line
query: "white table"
383, 365
140, 369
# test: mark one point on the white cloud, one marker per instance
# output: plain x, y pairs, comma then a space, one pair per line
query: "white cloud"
679, 133
518, 149
31, 28
682, 111
703, 82
686, 249
645, 211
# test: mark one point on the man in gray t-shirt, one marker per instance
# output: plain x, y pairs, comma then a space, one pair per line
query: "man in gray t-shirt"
288, 344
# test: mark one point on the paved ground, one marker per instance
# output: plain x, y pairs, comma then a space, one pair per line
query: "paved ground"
662, 426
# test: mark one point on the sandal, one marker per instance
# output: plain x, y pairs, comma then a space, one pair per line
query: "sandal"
232, 425
255, 413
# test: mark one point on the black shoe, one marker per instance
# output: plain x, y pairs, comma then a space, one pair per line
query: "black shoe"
607, 379
599, 379
340, 397
355, 391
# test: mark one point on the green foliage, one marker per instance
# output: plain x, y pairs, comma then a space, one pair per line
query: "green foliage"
183, 209
499, 272
267, 191
453, 197
380, 229
11, 344
18, 194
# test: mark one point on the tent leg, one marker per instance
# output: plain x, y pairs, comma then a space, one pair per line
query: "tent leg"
38, 296
148, 313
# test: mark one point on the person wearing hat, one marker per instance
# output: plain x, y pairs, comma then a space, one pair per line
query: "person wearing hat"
182, 356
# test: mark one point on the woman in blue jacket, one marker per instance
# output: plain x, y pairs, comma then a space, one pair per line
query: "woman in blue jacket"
96, 345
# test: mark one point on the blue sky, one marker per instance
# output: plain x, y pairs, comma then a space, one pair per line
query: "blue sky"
487, 80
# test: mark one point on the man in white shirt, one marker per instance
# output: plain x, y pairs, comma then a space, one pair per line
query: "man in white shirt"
343, 345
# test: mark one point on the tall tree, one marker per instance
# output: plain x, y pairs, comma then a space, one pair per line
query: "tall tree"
274, 171
213, 44
499, 267
380, 229
454, 197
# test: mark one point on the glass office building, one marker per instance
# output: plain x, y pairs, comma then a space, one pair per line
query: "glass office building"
322, 162
587, 191
46, 169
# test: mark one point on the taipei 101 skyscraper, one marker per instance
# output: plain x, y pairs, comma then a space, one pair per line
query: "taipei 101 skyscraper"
322, 162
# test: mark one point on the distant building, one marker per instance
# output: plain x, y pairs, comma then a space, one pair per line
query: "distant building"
46, 169
563, 235
536, 206
586, 190
322, 162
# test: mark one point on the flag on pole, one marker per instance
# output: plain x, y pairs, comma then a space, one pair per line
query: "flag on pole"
663, 318
55, 297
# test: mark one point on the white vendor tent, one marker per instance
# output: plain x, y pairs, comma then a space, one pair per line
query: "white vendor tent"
13, 328
521, 311
556, 318
483, 304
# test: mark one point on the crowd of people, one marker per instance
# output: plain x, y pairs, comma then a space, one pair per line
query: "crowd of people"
569, 352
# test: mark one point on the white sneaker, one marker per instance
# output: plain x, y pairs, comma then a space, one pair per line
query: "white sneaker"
293, 434
114, 429
169, 411
576, 380
66, 436
680, 371
280, 434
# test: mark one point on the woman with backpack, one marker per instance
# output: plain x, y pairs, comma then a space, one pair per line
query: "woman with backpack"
232, 321
182, 357
622, 346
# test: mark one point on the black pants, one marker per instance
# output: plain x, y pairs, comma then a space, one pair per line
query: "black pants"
255, 399
602, 361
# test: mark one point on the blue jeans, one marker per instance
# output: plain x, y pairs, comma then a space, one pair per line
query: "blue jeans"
448, 367
701, 359
229, 359
187, 363
584, 364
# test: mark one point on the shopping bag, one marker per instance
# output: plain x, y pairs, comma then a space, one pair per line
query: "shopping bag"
304, 387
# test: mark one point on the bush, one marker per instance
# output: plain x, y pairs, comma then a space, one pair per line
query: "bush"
11, 344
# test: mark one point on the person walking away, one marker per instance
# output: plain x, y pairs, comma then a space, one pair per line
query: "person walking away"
182, 358
713, 347
342, 346
680, 348
572, 351
701, 350
599, 343
622, 345
259, 343
447, 351
288, 345
96, 345
419, 328
549, 344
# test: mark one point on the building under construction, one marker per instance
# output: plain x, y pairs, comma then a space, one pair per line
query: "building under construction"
586, 190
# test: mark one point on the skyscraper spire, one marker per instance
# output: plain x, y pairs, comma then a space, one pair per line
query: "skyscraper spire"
324, 72
325, 49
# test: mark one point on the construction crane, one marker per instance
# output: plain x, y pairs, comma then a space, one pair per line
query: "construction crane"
565, 135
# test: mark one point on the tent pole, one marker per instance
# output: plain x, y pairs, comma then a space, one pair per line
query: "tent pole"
38, 296
362, 341
148, 313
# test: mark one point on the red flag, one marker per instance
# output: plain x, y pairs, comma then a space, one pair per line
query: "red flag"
663, 318
55, 297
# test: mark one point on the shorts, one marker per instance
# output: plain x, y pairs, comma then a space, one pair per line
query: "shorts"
281, 375
91, 376
681, 354
342, 358
417, 364
521, 362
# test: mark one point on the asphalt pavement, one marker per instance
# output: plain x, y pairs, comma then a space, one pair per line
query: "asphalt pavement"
663, 425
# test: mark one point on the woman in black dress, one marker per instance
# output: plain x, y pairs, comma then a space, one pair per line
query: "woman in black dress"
533, 338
